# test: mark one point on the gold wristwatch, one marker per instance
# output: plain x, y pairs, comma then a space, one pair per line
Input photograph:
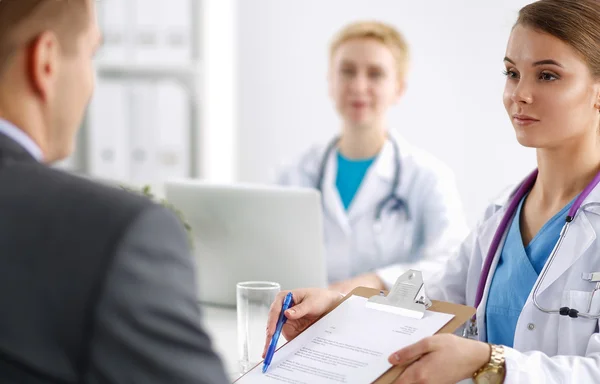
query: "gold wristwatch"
494, 371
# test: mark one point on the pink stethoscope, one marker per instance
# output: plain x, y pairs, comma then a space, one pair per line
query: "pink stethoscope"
471, 330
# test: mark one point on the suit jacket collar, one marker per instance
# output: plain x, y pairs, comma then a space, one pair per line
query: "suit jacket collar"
12, 152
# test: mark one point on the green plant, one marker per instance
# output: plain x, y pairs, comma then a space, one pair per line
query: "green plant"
146, 191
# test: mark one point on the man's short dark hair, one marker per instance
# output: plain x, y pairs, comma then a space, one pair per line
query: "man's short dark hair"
21, 21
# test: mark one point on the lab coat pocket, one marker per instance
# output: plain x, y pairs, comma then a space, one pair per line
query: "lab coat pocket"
585, 301
579, 330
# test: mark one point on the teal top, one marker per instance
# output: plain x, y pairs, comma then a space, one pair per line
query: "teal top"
516, 273
350, 174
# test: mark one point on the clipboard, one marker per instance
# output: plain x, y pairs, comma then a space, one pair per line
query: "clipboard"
406, 298
461, 313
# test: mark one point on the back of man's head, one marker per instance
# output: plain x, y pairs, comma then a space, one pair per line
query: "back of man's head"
46, 68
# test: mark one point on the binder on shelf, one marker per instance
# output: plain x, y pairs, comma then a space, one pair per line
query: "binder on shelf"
146, 30
114, 18
176, 32
143, 129
173, 126
107, 131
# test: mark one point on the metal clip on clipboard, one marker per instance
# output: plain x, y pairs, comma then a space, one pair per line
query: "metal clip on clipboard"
407, 297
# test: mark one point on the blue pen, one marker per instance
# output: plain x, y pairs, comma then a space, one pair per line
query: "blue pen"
287, 302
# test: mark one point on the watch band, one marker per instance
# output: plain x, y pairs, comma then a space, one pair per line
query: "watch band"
497, 356
496, 363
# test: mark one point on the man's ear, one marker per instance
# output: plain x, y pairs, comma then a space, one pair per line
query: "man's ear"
43, 61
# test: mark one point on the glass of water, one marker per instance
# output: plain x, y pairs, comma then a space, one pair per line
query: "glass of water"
254, 299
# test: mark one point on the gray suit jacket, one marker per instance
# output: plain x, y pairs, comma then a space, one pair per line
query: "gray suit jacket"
148, 320
99, 284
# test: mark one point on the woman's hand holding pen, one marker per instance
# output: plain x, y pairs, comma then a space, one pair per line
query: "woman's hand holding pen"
310, 304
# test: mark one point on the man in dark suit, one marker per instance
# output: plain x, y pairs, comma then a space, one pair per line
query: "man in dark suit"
96, 285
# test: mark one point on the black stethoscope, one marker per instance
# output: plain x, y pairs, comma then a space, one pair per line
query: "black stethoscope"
398, 202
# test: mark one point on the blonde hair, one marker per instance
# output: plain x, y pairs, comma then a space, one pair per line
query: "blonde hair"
379, 31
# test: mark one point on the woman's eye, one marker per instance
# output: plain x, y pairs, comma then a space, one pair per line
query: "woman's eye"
548, 76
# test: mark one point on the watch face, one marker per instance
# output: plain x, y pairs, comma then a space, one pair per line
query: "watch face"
489, 377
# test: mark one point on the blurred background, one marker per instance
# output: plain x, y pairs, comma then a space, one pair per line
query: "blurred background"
230, 90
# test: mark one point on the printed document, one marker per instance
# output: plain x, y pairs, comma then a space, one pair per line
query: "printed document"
350, 345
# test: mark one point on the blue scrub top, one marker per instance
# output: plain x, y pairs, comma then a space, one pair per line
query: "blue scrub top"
516, 273
350, 174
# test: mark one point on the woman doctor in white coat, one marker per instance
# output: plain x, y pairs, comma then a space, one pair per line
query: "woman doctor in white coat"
388, 206
531, 266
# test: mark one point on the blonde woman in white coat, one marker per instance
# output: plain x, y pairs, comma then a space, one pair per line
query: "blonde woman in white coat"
388, 206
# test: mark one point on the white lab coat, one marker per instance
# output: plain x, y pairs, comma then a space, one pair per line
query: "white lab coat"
353, 245
547, 348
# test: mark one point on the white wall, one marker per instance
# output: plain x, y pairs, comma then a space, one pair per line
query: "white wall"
217, 130
453, 106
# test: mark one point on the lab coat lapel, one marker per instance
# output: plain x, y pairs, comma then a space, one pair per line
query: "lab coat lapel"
332, 203
375, 185
486, 235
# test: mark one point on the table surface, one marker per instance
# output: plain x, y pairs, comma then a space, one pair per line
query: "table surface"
221, 325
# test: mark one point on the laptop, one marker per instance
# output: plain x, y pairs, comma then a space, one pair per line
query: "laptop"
251, 232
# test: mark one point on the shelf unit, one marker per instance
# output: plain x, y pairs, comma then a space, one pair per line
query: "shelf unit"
189, 75
186, 73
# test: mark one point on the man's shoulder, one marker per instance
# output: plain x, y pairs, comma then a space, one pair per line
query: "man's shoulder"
55, 186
